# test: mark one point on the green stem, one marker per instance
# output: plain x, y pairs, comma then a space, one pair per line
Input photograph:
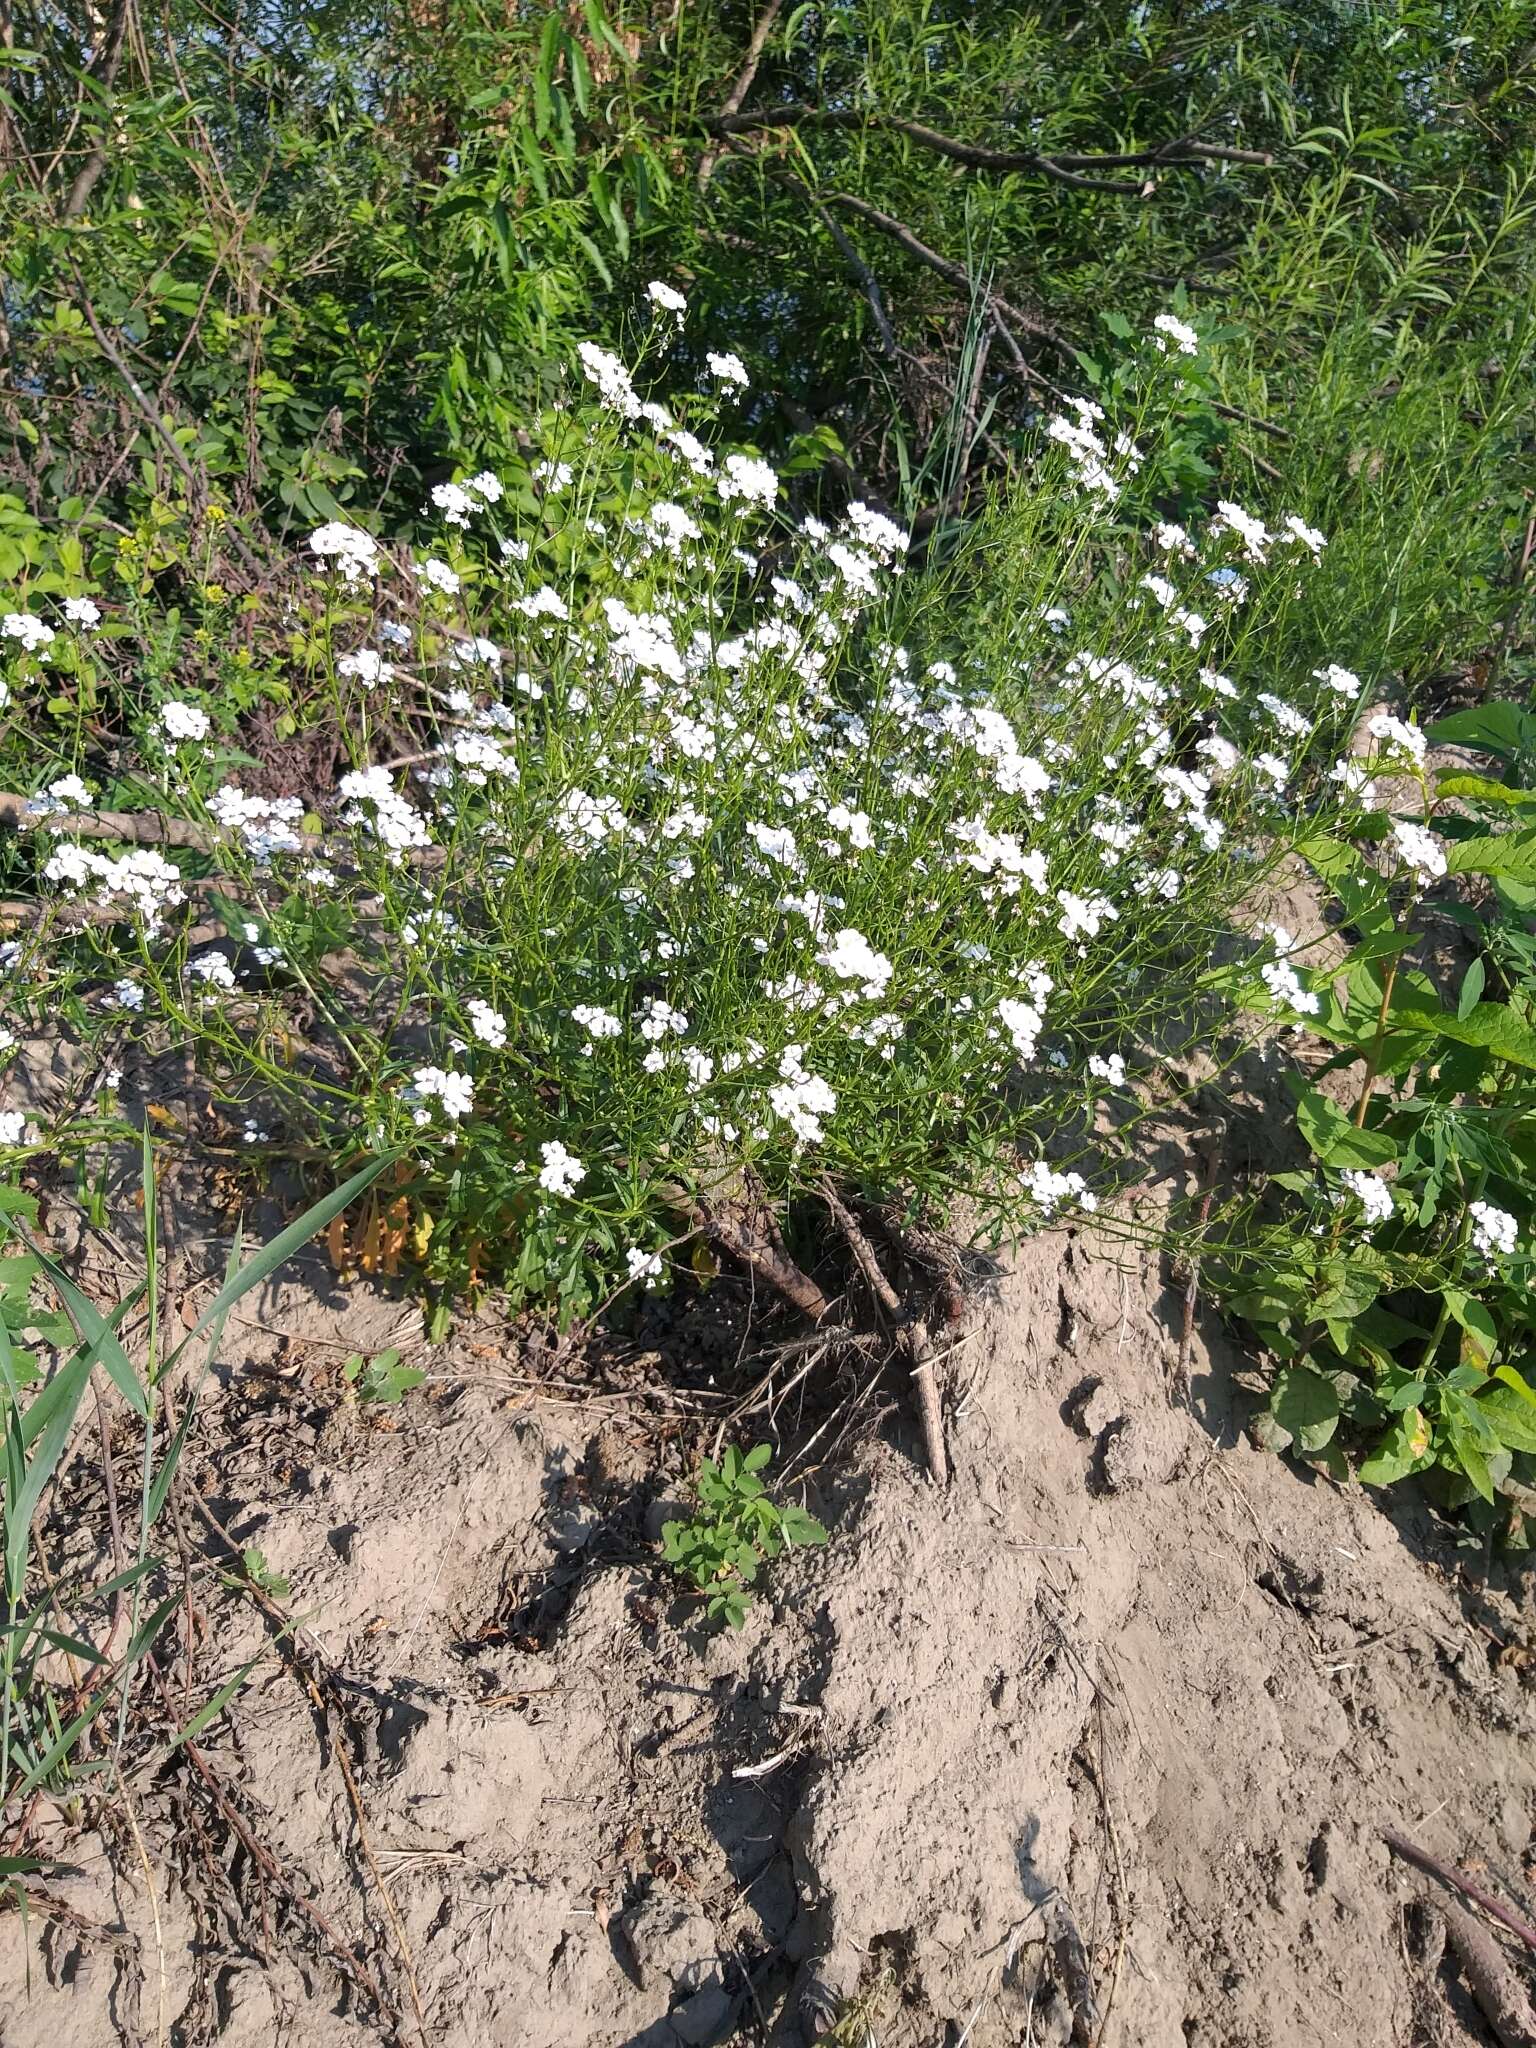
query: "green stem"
1373, 1063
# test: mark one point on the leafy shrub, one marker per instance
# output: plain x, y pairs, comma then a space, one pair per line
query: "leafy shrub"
672, 838
1395, 1288
723, 1547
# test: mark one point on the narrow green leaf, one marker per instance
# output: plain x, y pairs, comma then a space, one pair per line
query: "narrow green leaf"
46, 1452
52, 1757
98, 1331
282, 1247
1471, 989
211, 1709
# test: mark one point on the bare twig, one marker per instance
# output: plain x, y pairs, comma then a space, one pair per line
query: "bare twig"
196, 485
104, 78
762, 28
865, 276
1066, 168
1074, 1969
1458, 1881
357, 1968
942, 266
1192, 1278
154, 828
771, 1265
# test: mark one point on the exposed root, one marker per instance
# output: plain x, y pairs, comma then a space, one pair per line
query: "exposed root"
912, 1334
723, 1223
1500, 1996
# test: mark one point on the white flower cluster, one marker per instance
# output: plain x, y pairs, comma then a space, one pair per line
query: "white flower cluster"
367, 666
1174, 335
140, 884
34, 636
1373, 1195
1049, 1190
458, 502
452, 1094
666, 298
1281, 979
1494, 1231
851, 958
267, 825
354, 553
181, 724
375, 806
800, 1098
1420, 851
562, 1172
1091, 457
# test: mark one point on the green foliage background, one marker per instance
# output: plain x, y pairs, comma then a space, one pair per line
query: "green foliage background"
305, 260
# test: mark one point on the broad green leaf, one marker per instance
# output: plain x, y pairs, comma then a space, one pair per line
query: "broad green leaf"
1510, 855
1480, 1336
1509, 1417
1403, 1448
1470, 1456
1513, 1378
1492, 1026
799, 1527
1497, 728
1333, 1137
1348, 1286
1330, 858
1305, 1404
1483, 790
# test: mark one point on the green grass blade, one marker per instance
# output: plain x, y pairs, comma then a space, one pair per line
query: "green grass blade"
96, 1329
62, 1744
212, 1708
287, 1242
47, 1451
37, 1413
144, 1639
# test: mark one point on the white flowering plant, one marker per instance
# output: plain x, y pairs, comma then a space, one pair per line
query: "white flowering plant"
671, 831
1391, 1281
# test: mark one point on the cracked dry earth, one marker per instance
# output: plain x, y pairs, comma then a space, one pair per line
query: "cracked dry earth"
1126, 1664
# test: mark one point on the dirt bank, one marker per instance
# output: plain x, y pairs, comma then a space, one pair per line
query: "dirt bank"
1126, 1666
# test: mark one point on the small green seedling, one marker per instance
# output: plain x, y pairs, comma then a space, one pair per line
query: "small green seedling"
736, 1528
261, 1575
383, 1380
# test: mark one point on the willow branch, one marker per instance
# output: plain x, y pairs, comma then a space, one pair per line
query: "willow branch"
105, 76
762, 28
943, 266
1184, 153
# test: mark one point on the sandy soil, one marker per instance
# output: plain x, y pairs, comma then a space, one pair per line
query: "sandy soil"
1127, 1675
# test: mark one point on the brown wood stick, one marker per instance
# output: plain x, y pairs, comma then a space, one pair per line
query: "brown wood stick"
1499, 1994
154, 828
1458, 1881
